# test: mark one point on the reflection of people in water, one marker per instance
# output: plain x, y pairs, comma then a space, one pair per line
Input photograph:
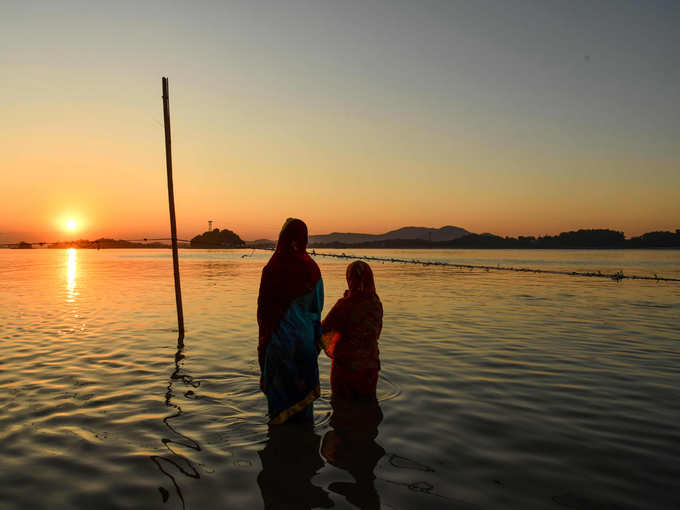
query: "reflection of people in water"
289, 317
289, 461
351, 446
350, 335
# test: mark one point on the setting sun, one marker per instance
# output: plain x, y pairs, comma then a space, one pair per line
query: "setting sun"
71, 225
69, 222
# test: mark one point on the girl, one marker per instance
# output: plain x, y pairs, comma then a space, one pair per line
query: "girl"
350, 336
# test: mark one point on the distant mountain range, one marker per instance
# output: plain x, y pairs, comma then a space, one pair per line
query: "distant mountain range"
583, 238
447, 233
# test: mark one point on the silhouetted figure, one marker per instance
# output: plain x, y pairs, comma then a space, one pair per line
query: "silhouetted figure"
289, 317
351, 446
289, 461
351, 331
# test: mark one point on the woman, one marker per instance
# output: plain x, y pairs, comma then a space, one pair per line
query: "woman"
351, 330
289, 317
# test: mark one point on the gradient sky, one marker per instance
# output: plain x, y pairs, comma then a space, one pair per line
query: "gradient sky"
505, 117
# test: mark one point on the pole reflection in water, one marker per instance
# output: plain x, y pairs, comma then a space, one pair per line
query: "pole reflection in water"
71, 270
351, 446
175, 463
289, 461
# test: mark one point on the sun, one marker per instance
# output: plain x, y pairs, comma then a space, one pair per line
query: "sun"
71, 225
70, 222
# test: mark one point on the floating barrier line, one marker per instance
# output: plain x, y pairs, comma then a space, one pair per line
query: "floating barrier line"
618, 276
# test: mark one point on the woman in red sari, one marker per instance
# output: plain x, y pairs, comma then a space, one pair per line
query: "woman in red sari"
351, 330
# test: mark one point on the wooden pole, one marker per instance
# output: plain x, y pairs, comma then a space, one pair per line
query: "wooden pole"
173, 224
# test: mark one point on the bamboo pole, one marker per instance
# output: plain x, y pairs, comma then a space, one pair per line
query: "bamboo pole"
173, 224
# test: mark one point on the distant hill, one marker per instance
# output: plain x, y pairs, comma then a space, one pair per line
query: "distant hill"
447, 233
217, 239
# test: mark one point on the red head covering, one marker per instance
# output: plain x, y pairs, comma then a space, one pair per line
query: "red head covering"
360, 278
292, 238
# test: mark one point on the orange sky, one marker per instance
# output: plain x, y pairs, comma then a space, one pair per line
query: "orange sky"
364, 119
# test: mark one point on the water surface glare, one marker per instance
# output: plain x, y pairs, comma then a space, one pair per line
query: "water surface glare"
498, 390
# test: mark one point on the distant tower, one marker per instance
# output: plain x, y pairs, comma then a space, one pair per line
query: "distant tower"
210, 225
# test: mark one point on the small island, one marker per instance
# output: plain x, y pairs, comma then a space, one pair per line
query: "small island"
217, 239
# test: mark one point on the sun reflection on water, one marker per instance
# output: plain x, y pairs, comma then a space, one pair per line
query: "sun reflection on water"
71, 268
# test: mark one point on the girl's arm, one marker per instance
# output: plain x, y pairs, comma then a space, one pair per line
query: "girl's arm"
329, 341
331, 328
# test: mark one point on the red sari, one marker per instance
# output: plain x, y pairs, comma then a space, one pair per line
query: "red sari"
351, 331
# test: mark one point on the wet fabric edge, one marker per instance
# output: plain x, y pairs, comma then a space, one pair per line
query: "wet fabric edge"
283, 416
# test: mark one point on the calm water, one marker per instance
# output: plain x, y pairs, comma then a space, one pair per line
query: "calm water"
498, 390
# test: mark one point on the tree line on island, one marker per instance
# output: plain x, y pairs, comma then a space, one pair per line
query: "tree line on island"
217, 239
575, 239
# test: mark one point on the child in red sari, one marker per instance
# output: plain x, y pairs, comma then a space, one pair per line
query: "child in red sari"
350, 336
